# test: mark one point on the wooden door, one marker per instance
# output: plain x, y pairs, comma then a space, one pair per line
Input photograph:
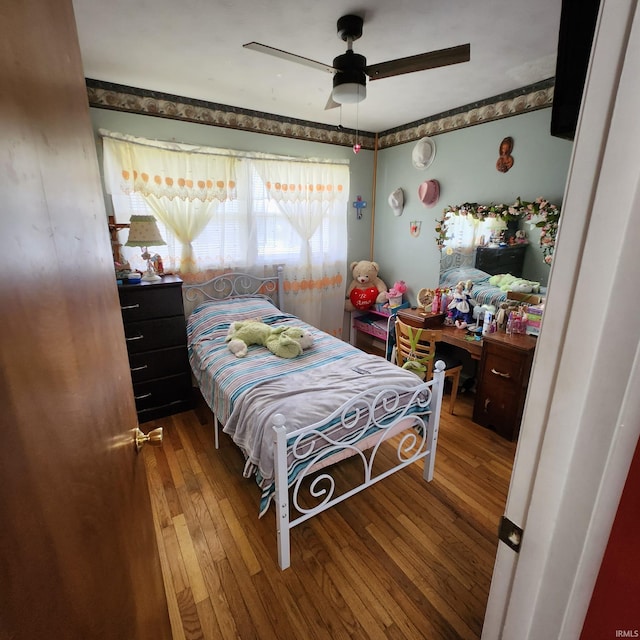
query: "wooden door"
78, 555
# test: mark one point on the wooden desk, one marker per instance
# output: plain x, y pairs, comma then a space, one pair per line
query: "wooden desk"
460, 338
502, 374
450, 335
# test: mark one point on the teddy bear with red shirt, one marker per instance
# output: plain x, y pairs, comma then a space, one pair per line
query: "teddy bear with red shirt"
366, 288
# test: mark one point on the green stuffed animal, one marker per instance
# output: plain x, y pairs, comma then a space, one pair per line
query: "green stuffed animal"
507, 282
282, 341
419, 368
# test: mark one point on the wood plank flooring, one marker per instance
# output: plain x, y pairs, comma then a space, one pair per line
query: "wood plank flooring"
402, 559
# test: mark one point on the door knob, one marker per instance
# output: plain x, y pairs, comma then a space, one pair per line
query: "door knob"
154, 438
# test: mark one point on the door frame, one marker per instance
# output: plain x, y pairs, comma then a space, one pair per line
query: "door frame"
575, 448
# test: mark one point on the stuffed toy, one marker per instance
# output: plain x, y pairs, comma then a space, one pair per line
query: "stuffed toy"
366, 288
502, 316
507, 282
419, 368
289, 343
282, 341
397, 291
521, 237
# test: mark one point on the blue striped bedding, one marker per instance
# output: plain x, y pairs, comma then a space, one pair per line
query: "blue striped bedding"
482, 292
211, 360
244, 393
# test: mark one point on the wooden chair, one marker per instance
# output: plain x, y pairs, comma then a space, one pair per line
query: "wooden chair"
420, 345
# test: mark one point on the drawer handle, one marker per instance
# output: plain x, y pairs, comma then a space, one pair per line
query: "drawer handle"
144, 366
146, 395
499, 373
131, 306
135, 338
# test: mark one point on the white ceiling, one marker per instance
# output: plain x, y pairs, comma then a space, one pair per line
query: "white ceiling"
193, 49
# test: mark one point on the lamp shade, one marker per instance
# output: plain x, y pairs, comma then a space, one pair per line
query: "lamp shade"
144, 232
348, 93
495, 223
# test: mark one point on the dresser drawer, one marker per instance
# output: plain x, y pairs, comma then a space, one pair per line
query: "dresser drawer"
140, 302
155, 334
162, 392
497, 260
156, 338
505, 369
158, 364
503, 379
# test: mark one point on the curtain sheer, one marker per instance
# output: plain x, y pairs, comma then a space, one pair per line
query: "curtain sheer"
306, 204
220, 210
463, 234
182, 185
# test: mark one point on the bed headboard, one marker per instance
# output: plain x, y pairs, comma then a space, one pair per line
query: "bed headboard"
235, 284
450, 258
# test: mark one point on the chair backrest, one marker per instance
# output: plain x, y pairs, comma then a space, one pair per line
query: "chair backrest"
416, 344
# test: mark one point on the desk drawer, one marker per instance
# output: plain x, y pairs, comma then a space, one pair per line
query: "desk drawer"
503, 379
155, 334
505, 368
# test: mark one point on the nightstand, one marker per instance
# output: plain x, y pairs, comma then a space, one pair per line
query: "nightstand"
155, 331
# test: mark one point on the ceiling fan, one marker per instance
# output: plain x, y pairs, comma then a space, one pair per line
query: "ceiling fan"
350, 69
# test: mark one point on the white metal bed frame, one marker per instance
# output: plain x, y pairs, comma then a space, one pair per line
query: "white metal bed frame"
416, 416
236, 284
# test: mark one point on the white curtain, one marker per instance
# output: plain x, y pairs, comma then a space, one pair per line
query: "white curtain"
223, 209
182, 184
307, 205
464, 234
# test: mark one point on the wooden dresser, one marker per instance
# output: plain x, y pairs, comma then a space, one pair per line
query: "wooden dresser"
154, 327
498, 260
503, 378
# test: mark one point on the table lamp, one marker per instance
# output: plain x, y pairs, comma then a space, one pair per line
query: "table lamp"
144, 233
496, 227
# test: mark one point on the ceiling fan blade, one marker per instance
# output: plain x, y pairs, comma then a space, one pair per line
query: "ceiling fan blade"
291, 57
431, 60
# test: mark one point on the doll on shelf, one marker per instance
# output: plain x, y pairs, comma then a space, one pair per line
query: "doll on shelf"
461, 304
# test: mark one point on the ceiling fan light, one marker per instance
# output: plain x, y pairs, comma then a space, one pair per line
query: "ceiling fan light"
349, 93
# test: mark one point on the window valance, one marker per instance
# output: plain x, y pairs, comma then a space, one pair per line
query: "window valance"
185, 173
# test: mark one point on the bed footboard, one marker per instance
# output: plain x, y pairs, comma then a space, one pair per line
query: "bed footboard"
369, 419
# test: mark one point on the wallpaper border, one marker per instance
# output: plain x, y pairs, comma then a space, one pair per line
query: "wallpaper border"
106, 95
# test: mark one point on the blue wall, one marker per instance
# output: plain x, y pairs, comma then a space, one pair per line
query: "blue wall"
464, 165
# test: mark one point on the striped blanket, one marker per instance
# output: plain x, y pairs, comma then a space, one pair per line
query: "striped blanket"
482, 292
222, 377
245, 393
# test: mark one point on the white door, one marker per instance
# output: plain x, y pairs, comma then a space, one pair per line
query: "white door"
78, 553
582, 418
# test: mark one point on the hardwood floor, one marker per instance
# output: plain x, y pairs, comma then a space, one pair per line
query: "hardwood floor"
402, 559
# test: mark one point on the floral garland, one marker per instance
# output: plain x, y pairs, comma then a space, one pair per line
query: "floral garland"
539, 213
